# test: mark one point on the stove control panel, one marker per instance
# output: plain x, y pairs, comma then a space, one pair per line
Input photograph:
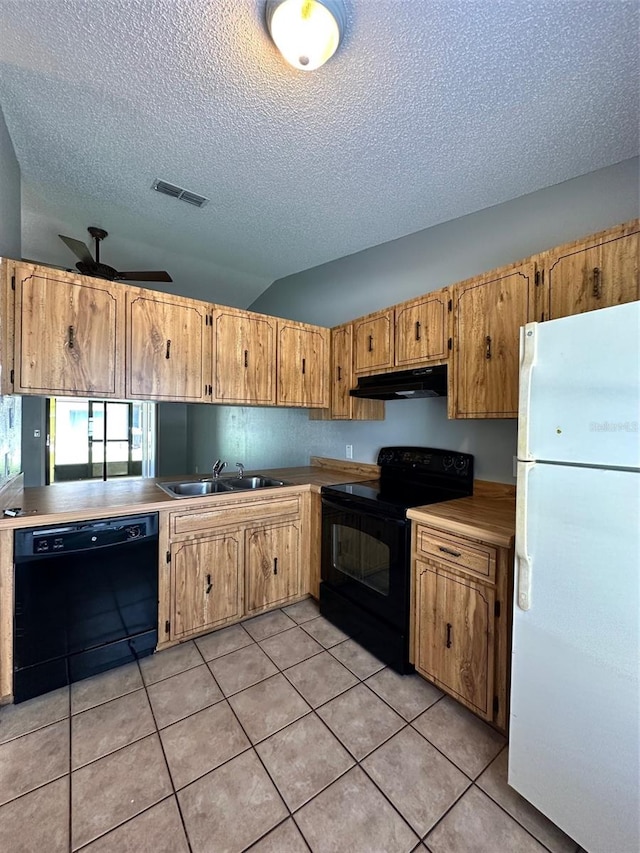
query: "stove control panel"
426, 459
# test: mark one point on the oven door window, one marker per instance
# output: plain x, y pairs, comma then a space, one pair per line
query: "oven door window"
365, 559
362, 555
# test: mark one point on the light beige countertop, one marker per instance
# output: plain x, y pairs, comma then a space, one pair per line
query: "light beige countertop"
489, 515
93, 499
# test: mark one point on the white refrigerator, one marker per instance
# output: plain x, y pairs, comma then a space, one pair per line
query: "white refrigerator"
574, 747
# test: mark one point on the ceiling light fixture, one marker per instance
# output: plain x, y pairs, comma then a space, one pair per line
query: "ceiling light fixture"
306, 32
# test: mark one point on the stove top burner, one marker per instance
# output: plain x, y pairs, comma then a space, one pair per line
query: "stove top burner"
411, 476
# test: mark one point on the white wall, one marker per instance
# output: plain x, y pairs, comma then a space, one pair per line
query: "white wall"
378, 277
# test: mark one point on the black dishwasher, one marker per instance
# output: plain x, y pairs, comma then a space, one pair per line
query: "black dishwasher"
86, 600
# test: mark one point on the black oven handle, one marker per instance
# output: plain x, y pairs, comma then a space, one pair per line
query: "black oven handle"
355, 506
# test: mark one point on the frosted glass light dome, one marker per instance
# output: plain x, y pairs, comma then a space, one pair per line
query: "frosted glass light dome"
306, 32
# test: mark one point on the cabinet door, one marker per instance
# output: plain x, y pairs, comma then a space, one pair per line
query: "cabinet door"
341, 371
168, 348
341, 380
591, 276
272, 566
68, 334
245, 358
373, 337
455, 640
206, 583
422, 329
303, 365
488, 313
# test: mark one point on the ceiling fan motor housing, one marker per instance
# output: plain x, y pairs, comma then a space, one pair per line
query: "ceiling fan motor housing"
98, 270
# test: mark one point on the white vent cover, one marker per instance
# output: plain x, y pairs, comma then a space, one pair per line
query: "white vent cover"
178, 192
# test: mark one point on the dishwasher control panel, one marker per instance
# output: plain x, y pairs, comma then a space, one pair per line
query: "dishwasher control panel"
83, 536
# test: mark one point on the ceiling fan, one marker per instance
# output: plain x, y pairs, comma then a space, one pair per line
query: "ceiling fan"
88, 266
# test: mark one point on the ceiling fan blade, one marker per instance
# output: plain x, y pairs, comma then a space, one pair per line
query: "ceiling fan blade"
79, 249
144, 275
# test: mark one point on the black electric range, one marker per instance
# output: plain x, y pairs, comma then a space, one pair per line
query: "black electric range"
366, 544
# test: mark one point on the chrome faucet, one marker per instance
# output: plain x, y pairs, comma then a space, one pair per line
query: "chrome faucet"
218, 468
240, 468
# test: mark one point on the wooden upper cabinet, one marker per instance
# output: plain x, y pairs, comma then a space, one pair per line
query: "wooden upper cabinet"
303, 365
423, 329
341, 371
69, 331
488, 313
272, 565
596, 273
168, 347
244, 357
373, 342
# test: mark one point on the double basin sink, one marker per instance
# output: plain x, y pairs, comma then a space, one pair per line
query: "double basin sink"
214, 487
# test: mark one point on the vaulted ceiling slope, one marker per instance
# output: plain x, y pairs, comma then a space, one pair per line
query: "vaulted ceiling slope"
428, 111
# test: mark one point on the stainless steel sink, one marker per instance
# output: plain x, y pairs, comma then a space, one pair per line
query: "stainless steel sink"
212, 487
191, 489
253, 482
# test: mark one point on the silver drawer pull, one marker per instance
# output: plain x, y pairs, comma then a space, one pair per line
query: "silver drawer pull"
449, 551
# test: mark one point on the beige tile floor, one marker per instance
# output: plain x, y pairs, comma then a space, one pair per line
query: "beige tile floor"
280, 734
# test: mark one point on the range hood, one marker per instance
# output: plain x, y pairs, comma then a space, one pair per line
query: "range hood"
406, 384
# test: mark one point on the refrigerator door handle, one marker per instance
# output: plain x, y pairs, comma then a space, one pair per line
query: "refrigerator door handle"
528, 342
523, 559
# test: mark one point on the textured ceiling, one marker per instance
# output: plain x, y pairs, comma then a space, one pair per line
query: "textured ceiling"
429, 111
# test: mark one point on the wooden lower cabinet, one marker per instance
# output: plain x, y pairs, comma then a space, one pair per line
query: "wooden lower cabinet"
455, 636
461, 619
207, 583
272, 566
232, 558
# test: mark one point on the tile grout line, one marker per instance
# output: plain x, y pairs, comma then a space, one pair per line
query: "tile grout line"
356, 764
70, 798
473, 781
174, 795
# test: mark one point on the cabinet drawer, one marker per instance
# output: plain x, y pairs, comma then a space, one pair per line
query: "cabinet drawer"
462, 554
198, 521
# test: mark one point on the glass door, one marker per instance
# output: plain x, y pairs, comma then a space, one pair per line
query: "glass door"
99, 439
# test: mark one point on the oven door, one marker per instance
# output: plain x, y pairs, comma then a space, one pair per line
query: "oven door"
365, 558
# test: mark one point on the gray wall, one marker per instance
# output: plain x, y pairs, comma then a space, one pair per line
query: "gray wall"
9, 196
10, 407
378, 277
172, 443
383, 275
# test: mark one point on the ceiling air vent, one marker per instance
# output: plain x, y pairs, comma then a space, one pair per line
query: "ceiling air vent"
178, 192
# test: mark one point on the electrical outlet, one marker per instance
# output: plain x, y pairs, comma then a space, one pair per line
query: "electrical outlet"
196, 470
348, 451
